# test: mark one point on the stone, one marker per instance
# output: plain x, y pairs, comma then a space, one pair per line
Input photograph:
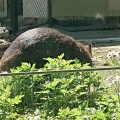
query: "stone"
4, 33
3, 46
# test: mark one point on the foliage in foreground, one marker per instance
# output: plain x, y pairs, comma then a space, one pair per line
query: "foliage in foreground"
61, 96
8, 108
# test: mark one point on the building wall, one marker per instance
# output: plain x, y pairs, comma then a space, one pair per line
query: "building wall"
3, 8
89, 8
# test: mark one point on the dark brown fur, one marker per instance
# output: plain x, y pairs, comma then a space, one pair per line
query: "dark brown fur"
34, 45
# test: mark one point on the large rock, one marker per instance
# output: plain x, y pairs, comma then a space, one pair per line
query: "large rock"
3, 46
4, 33
35, 44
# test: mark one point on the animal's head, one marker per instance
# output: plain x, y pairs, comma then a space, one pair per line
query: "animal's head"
89, 48
84, 54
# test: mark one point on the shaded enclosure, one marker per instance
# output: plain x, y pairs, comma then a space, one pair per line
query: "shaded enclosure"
85, 15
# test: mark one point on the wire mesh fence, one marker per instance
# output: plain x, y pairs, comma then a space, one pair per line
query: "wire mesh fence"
73, 16
32, 12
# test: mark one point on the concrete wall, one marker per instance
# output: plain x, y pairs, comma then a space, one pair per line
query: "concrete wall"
89, 8
3, 8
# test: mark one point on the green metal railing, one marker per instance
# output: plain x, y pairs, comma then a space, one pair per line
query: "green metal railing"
59, 71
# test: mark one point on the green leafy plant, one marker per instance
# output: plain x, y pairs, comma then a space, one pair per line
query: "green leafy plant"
69, 114
8, 109
113, 58
67, 95
68, 89
24, 84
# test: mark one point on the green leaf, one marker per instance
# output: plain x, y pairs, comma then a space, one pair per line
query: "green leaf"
78, 87
44, 92
61, 56
99, 115
17, 99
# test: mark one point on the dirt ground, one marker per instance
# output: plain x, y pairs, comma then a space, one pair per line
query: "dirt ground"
100, 51
100, 56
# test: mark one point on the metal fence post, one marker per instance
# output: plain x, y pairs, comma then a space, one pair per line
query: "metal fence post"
13, 16
50, 13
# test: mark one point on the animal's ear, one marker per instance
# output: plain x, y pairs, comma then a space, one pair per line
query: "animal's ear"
89, 48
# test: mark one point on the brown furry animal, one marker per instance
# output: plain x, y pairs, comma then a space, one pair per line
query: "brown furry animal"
35, 44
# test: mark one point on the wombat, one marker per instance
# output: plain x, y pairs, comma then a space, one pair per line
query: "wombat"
38, 43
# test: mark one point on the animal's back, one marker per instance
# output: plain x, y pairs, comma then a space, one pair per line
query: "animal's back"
34, 45
37, 35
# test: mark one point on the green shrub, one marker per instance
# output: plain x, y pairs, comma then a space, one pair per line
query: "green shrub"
24, 84
67, 95
8, 109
